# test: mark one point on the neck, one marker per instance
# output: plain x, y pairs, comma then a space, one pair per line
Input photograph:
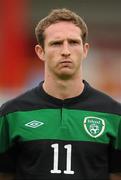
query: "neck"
63, 89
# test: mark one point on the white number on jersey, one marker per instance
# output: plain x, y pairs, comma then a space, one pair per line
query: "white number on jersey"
55, 169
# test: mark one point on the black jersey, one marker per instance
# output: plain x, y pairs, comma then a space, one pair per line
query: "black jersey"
45, 138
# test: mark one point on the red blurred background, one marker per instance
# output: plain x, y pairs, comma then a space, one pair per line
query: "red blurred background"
20, 69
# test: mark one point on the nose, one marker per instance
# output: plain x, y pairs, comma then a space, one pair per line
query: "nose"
65, 49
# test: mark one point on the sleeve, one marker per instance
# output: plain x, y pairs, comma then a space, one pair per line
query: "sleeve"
7, 159
115, 152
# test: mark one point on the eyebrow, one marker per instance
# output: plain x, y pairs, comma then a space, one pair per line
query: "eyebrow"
61, 40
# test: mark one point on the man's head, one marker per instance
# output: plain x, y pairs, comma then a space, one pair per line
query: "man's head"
58, 15
62, 44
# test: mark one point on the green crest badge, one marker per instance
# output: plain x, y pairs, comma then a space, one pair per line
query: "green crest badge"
94, 126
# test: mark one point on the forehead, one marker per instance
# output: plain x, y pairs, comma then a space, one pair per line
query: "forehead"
62, 30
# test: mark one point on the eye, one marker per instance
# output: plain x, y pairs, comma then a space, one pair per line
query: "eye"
74, 42
56, 43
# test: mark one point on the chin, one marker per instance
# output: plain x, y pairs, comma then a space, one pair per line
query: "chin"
65, 76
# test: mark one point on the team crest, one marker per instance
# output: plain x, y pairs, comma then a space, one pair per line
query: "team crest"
94, 126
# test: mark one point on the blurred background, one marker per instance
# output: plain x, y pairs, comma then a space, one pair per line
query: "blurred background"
20, 69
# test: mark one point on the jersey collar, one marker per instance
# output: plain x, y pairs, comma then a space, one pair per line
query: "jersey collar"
66, 102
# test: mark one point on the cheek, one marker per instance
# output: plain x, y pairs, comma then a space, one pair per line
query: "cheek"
50, 54
78, 54
50, 60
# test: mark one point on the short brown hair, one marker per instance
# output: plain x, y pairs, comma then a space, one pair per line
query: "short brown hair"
58, 15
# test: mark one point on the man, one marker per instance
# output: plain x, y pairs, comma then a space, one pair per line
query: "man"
63, 129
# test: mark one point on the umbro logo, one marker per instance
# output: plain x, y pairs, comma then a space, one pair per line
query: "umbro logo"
34, 124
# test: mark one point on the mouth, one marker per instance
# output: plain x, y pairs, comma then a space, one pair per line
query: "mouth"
66, 62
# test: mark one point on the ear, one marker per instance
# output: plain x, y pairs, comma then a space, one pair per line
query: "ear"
85, 49
39, 51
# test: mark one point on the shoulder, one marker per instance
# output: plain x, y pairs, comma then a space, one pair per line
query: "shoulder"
20, 103
102, 102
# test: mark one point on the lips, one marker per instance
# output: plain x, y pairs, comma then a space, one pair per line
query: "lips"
65, 62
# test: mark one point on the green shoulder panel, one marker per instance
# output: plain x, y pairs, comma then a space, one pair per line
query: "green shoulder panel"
4, 134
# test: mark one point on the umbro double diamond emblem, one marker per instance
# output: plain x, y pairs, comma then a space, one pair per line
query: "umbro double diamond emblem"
34, 124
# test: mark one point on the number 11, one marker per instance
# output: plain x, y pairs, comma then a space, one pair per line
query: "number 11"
68, 159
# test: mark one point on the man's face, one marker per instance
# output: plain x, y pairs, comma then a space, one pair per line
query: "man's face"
63, 50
